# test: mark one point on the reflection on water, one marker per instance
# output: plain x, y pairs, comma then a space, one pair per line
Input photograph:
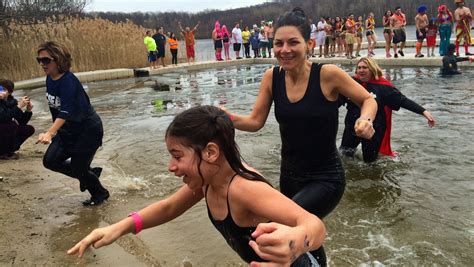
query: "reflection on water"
415, 209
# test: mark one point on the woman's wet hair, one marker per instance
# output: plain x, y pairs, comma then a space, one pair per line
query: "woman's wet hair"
198, 126
296, 18
59, 53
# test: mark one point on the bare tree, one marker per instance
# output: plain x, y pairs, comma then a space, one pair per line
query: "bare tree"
34, 11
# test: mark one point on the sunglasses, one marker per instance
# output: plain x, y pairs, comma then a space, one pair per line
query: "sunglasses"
44, 60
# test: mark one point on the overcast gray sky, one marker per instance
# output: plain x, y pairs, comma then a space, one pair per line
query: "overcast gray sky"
167, 5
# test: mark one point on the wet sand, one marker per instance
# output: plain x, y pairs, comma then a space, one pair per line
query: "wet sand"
42, 217
39, 208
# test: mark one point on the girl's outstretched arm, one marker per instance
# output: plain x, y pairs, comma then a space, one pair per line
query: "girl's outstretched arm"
153, 215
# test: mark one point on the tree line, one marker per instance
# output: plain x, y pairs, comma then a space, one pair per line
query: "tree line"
247, 16
33, 11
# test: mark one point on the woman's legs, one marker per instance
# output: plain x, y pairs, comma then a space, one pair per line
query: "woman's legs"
226, 51
388, 40
56, 159
444, 36
80, 166
174, 56
359, 43
247, 50
319, 197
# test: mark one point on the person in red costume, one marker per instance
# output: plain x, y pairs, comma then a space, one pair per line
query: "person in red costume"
388, 98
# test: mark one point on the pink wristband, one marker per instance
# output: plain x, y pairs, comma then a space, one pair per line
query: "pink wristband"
138, 222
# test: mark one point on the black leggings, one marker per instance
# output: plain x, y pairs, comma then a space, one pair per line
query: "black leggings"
56, 159
174, 56
370, 148
317, 196
247, 49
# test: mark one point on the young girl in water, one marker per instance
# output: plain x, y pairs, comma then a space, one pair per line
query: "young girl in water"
241, 204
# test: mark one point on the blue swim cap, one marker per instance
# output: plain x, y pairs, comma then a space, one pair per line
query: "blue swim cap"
422, 9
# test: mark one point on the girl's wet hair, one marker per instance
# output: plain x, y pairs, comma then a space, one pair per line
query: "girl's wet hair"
296, 18
198, 126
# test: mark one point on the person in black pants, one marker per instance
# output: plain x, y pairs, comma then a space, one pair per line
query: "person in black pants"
77, 131
14, 128
450, 61
160, 40
305, 96
388, 98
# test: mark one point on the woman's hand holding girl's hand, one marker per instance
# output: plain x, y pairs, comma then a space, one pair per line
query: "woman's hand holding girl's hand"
364, 128
98, 238
274, 242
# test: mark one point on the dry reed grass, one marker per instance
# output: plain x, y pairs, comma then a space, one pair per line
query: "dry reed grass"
94, 44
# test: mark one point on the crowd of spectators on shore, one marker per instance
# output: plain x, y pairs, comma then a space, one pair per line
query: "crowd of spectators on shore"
333, 36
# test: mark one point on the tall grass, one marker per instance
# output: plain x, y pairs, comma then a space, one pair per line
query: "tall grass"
94, 44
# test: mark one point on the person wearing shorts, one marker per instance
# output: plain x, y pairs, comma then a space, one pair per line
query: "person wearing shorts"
421, 23
161, 41
350, 36
150, 47
321, 37
370, 34
268, 29
398, 22
237, 40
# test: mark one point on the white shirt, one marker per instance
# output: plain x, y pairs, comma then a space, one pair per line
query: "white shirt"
237, 35
313, 31
321, 26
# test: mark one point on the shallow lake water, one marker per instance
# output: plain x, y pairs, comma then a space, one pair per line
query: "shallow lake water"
415, 209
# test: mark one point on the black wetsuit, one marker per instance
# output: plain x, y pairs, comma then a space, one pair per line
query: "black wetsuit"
385, 95
450, 64
79, 137
238, 237
311, 170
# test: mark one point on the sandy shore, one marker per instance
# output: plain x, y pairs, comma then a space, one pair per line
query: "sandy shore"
42, 217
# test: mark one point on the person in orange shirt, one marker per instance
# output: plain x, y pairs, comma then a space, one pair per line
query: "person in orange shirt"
189, 40
173, 42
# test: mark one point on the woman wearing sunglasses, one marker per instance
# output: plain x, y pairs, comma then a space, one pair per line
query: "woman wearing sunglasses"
77, 131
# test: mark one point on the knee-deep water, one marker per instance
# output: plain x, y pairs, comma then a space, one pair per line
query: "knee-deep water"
415, 209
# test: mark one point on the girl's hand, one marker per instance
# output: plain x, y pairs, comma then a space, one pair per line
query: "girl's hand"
274, 242
98, 238
23, 102
45, 138
430, 118
29, 107
364, 128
